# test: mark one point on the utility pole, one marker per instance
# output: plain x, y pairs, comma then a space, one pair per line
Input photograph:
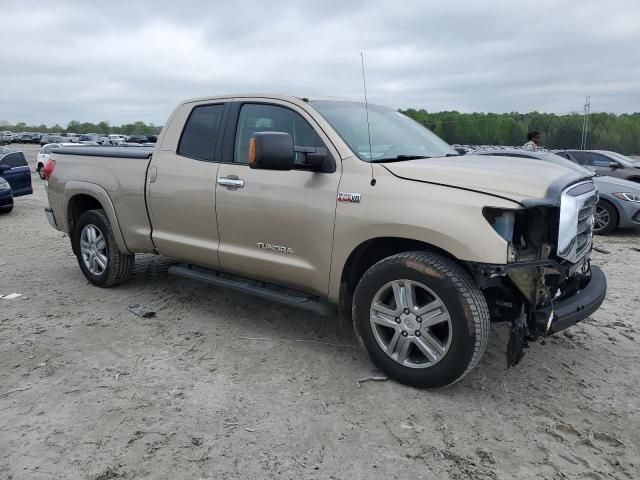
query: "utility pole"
585, 123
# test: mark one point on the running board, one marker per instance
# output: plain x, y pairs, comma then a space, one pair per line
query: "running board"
259, 289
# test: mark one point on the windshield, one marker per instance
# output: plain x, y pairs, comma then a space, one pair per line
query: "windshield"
393, 135
626, 161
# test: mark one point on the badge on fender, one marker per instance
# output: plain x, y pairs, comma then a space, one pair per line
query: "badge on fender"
349, 197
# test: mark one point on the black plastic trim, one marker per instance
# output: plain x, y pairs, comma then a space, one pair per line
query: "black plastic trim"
572, 310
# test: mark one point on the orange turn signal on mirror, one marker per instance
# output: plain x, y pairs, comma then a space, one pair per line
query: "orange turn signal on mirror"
252, 151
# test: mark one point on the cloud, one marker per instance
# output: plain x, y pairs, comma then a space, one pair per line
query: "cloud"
137, 60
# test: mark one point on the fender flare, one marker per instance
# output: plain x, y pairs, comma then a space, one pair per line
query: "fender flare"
73, 188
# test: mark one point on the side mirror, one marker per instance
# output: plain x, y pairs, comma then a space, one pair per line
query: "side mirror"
461, 151
271, 151
4, 168
614, 165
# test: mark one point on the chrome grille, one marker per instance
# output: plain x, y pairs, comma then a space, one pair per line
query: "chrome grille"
575, 234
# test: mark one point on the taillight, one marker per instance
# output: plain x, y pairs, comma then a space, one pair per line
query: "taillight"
48, 168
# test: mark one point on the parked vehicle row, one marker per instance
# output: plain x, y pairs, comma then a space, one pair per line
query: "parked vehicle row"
7, 137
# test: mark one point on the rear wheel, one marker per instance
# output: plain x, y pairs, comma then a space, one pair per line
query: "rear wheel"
605, 218
99, 257
4, 210
421, 318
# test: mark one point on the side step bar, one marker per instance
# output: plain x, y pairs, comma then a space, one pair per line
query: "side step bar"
252, 287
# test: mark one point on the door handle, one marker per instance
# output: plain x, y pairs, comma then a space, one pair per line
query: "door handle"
231, 182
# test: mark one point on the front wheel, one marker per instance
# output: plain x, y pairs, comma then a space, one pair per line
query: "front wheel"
421, 318
99, 257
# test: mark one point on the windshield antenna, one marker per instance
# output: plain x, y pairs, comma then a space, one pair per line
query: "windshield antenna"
366, 107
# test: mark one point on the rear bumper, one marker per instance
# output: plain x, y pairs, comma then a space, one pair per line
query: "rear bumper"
51, 218
583, 303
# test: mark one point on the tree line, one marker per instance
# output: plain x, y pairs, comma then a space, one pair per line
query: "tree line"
74, 126
607, 131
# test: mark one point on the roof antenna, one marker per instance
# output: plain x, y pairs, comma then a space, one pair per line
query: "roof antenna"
366, 107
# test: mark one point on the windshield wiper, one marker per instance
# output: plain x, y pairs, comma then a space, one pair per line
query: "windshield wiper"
399, 158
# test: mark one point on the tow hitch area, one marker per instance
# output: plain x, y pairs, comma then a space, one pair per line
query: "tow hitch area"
576, 299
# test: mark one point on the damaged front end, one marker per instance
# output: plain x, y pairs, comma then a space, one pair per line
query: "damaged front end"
548, 283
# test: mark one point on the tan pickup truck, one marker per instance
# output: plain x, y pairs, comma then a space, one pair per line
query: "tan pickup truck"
338, 206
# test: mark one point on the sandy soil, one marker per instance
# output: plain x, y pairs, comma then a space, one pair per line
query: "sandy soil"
90, 391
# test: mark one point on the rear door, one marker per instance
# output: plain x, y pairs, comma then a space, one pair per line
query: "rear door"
181, 185
276, 226
14, 168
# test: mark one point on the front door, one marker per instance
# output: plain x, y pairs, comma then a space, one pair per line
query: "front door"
181, 188
276, 226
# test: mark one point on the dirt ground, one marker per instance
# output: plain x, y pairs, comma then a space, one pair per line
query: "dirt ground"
220, 385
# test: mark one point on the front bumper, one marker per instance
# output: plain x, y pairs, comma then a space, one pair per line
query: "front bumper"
6, 200
580, 305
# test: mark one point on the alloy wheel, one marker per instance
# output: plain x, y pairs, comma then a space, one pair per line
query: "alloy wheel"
411, 323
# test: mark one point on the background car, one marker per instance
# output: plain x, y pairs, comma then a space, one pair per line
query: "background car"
138, 139
46, 139
89, 139
606, 163
619, 204
15, 170
6, 196
45, 153
5, 137
114, 139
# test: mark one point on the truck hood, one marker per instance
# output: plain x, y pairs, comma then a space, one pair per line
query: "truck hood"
523, 180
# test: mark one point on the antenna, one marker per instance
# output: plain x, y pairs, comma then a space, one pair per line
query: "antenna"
366, 107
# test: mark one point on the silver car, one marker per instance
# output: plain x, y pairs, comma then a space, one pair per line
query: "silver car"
619, 204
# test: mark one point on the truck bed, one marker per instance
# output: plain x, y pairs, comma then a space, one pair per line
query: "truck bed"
120, 173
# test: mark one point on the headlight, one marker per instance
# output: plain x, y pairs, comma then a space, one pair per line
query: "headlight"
5, 186
629, 197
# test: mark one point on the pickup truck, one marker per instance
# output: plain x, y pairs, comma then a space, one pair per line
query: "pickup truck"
342, 206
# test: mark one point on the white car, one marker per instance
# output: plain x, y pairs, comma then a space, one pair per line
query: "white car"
45, 153
114, 139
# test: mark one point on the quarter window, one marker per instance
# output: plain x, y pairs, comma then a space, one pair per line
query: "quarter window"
200, 132
272, 118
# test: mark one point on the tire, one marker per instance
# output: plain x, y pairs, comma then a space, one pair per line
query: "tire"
117, 266
40, 170
5, 210
459, 324
606, 218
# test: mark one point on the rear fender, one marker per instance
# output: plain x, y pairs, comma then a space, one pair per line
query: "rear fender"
73, 188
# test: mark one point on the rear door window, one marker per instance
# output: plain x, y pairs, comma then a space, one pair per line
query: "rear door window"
201, 132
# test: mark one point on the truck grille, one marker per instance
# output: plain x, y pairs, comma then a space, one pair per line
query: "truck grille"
575, 235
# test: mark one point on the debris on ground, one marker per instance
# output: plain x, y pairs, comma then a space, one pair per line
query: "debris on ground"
10, 296
601, 250
371, 379
141, 310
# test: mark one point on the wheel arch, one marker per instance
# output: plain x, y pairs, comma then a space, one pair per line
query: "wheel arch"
81, 197
370, 252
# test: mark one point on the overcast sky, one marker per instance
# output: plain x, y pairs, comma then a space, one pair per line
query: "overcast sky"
135, 60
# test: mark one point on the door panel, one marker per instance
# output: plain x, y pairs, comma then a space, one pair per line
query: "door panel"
181, 189
18, 175
277, 226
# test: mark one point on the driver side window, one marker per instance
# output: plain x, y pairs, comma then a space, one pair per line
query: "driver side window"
256, 117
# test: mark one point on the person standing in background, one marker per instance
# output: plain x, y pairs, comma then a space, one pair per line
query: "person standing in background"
535, 139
